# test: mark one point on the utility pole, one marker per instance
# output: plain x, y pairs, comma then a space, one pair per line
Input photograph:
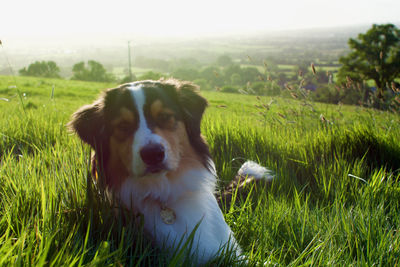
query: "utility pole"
129, 61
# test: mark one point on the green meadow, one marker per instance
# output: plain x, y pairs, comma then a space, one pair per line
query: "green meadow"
335, 199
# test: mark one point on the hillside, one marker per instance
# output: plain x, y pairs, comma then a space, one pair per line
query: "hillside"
335, 199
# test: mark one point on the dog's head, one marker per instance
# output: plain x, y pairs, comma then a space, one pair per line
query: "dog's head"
143, 129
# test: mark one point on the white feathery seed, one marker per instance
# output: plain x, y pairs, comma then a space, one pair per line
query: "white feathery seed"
250, 168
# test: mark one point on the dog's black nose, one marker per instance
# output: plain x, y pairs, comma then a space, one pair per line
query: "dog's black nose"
152, 154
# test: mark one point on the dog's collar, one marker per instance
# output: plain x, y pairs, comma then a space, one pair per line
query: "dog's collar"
167, 215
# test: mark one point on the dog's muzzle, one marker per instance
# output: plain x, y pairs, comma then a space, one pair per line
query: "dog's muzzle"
153, 156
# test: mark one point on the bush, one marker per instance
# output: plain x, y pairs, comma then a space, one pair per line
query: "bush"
229, 89
93, 72
266, 88
203, 84
150, 75
128, 79
187, 74
48, 69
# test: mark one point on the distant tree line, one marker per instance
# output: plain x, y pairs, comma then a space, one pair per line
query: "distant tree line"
374, 57
92, 71
48, 69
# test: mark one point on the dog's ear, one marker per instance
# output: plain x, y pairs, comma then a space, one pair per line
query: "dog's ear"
193, 106
88, 123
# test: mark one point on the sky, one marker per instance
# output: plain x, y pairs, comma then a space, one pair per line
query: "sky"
186, 17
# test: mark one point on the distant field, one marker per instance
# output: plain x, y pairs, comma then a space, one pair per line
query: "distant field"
261, 69
335, 200
290, 69
286, 67
328, 68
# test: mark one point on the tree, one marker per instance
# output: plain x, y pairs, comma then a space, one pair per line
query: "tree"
301, 70
230, 70
236, 79
93, 72
128, 78
150, 75
282, 79
374, 55
203, 84
189, 74
224, 61
185, 63
322, 76
229, 89
213, 75
250, 74
269, 88
48, 69
80, 72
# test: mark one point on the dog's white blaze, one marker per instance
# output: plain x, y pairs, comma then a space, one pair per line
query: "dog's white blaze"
143, 135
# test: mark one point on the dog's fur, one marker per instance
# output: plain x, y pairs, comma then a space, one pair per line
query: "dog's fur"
152, 157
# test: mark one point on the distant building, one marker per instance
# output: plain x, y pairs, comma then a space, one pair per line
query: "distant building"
311, 87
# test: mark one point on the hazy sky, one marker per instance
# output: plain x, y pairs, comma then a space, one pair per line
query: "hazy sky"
180, 17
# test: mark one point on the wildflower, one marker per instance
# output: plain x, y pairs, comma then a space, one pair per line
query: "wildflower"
313, 68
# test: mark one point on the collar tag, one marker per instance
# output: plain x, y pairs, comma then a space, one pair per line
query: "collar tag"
168, 215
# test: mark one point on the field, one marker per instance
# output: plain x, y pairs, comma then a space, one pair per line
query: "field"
335, 199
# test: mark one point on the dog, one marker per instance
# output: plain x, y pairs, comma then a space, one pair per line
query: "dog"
153, 159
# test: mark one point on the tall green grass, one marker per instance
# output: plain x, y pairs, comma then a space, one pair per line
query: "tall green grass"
335, 199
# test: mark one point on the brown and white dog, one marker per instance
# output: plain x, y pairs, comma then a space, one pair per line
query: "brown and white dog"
154, 161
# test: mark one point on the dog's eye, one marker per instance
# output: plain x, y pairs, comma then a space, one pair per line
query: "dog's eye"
124, 127
165, 117
166, 120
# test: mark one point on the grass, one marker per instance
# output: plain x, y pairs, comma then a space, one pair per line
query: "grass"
335, 200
